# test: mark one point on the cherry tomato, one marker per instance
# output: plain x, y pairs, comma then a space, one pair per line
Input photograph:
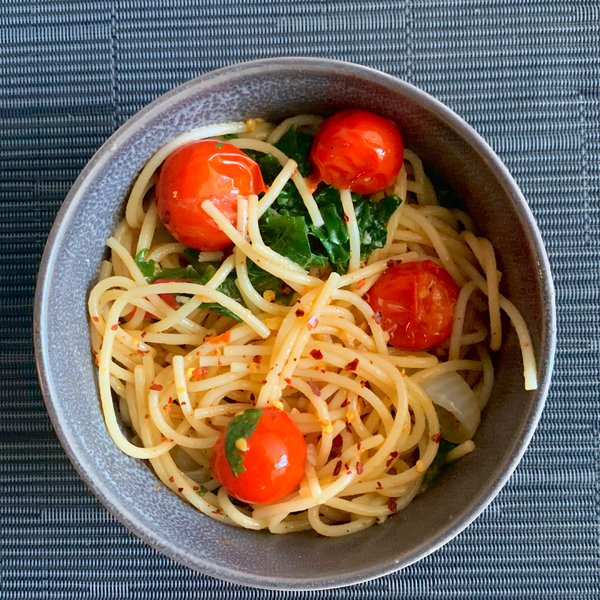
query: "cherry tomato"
274, 460
199, 171
357, 150
416, 301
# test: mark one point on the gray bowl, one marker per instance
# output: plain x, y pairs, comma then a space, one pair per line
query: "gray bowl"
275, 89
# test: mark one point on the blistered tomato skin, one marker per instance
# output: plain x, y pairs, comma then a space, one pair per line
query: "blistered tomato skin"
274, 461
199, 171
357, 150
417, 302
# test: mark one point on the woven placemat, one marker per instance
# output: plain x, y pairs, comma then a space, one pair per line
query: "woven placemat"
524, 74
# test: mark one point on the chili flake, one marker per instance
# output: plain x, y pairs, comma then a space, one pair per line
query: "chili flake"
359, 468
314, 387
299, 312
437, 438
199, 373
171, 479
95, 319
257, 359
156, 386
352, 366
392, 505
345, 403
338, 468
316, 354
360, 284
224, 338
115, 327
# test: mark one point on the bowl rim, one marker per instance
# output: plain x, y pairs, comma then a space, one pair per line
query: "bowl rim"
113, 503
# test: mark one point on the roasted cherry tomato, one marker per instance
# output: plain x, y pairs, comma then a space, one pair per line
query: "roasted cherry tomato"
416, 301
260, 457
199, 171
357, 150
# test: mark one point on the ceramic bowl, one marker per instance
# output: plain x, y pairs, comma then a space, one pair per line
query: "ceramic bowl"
277, 88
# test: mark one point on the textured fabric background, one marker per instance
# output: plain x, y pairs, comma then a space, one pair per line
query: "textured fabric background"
525, 74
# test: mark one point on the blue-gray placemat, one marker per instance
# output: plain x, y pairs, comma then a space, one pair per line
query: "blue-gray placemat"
524, 73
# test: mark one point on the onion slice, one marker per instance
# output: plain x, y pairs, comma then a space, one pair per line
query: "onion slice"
456, 405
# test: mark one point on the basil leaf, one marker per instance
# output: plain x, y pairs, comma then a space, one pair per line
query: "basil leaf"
230, 136
296, 144
147, 267
288, 236
242, 426
445, 193
188, 273
437, 466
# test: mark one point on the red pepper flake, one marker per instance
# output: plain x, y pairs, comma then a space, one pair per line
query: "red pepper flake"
183, 403
346, 466
217, 512
392, 471
389, 461
195, 488
180, 490
314, 387
345, 403
338, 468
312, 323
157, 387
358, 446
346, 218
377, 317
144, 334
349, 427
352, 366
94, 352
199, 373
252, 397
392, 505
323, 371
394, 454
287, 380
264, 381
224, 338
257, 359
115, 327
95, 319
336, 446
168, 408
219, 363
146, 416
316, 354
360, 284
379, 486
171, 479
437, 438
170, 400
299, 312
359, 468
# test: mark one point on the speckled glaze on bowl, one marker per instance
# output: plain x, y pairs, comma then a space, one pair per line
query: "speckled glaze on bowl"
277, 88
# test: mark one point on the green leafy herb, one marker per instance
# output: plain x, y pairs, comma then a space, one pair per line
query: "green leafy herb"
243, 427
437, 466
202, 491
296, 144
288, 236
147, 267
445, 193
230, 136
219, 145
372, 218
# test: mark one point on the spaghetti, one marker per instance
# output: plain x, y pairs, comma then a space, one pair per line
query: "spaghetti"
373, 417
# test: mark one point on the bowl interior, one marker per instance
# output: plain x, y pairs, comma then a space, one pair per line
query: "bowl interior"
276, 89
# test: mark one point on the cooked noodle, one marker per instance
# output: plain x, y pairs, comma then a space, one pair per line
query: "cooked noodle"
181, 377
